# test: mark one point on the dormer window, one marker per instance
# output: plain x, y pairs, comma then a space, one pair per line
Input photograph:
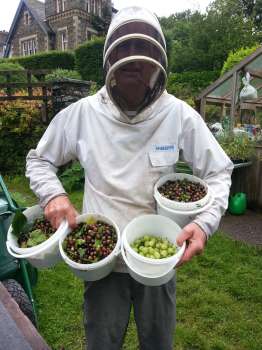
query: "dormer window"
26, 18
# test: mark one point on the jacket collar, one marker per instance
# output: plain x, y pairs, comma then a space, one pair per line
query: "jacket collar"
146, 114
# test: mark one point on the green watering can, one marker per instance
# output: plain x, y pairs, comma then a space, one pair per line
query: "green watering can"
237, 204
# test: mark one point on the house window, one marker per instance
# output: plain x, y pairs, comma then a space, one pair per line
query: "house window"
92, 6
4, 48
99, 8
57, 6
29, 47
88, 35
26, 18
64, 41
11, 51
63, 5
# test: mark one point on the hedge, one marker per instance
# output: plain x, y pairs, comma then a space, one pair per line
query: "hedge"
193, 81
20, 130
60, 74
89, 60
14, 77
46, 60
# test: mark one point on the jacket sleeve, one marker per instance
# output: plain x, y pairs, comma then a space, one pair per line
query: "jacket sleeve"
209, 162
53, 150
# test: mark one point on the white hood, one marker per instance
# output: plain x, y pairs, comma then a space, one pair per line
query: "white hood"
134, 14
135, 54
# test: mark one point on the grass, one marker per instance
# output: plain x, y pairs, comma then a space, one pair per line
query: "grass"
219, 296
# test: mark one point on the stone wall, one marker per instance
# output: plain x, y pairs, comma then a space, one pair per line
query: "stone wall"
66, 22
50, 6
68, 91
75, 23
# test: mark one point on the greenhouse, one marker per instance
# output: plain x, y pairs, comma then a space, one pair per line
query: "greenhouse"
233, 104
242, 103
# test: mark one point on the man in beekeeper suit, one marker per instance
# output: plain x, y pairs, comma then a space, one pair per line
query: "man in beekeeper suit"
127, 136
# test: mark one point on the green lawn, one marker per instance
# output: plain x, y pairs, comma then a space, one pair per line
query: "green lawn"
219, 296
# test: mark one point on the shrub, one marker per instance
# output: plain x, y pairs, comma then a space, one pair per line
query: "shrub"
20, 130
89, 60
61, 74
73, 178
47, 60
235, 57
237, 147
187, 85
15, 77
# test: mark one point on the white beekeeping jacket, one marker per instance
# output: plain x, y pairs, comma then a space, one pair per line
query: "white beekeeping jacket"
121, 157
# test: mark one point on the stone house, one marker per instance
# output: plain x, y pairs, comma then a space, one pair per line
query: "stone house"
53, 25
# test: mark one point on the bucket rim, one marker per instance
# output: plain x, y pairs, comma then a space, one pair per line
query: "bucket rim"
181, 206
187, 212
39, 248
151, 261
151, 277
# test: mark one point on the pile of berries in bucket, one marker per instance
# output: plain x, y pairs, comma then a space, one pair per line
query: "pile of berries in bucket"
182, 190
154, 247
90, 242
39, 232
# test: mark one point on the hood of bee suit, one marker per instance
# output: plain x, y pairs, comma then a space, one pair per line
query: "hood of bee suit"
135, 60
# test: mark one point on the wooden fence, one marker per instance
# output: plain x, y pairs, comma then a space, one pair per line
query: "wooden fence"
59, 93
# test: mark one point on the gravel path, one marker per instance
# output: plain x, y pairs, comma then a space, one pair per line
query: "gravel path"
247, 227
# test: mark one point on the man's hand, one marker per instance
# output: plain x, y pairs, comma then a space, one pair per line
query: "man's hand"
60, 208
195, 239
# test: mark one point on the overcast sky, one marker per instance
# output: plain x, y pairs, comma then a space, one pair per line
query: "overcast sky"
161, 8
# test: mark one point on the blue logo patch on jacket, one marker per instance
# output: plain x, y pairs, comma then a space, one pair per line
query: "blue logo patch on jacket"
164, 148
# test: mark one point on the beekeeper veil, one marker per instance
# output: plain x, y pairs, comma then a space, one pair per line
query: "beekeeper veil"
135, 60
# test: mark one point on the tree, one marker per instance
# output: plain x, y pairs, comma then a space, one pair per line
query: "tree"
203, 41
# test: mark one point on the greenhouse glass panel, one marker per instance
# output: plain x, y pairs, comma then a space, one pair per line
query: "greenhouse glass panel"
255, 64
223, 89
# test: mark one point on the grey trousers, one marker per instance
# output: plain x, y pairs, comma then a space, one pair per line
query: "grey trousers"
107, 305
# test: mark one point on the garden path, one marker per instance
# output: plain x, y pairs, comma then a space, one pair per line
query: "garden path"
247, 227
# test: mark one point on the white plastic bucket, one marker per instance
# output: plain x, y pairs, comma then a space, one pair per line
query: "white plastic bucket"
156, 280
96, 270
45, 254
155, 225
182, 218
176, 205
